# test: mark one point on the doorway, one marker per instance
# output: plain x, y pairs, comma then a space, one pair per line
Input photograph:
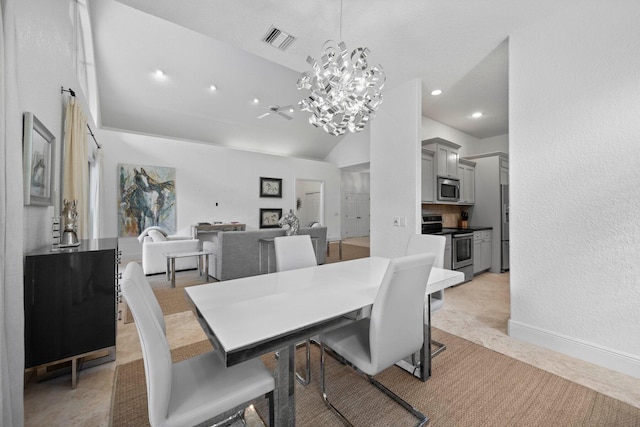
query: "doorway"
357, 215
309, 201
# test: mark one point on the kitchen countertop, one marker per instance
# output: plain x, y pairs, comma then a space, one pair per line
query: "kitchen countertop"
470, 229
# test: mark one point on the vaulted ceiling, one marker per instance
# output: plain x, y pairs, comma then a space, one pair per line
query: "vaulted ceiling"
459, 47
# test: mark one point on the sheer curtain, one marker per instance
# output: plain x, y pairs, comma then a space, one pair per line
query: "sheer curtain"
76, 164
95, 192
11, 229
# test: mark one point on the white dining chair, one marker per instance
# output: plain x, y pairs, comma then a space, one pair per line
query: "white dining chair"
430, 243
195, 390
394, 330
292, 253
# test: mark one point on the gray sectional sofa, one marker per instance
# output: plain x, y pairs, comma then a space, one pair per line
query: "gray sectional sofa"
237, 253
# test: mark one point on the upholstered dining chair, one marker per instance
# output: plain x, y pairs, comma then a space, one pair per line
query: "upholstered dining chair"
195, 390
430, 243
293, 252
393, 331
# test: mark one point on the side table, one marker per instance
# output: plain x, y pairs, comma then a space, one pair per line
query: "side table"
171, 263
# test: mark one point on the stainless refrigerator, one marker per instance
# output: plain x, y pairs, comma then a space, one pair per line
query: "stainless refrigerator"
491, 208
504, 228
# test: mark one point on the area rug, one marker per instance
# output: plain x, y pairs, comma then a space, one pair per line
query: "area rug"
470, 386
171, 300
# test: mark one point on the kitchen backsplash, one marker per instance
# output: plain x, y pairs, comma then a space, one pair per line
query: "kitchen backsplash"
450, 213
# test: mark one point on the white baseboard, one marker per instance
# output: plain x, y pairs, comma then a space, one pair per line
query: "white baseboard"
602, 356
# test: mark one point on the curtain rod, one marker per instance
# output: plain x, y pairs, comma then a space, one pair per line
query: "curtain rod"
73, 93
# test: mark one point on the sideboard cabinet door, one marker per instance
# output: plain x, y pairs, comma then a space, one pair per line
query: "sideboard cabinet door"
70, 301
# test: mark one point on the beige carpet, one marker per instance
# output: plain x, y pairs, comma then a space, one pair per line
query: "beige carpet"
470, 386
171, 300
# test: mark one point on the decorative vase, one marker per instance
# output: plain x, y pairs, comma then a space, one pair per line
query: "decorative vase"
69, 219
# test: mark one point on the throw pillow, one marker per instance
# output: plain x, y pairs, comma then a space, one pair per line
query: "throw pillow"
157, 236
146, 232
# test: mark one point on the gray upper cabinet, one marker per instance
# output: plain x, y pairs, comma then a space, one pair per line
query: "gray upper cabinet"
467, 176
504, 171
428, 177
446, 156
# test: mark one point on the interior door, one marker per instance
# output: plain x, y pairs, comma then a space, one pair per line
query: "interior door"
357, 217
363, 214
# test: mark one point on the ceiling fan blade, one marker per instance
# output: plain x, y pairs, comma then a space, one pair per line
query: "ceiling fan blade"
287, 108
285, 115
264, 115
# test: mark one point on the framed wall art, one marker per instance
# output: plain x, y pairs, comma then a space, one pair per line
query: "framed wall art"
271, 187
269, 218
38, 162
146, 197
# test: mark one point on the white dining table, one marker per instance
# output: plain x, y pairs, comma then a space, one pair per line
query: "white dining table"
248, 317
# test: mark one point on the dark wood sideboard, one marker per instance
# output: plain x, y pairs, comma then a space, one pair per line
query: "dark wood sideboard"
71, 306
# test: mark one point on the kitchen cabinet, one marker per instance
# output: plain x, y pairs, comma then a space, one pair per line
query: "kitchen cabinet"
428, 177
446, 156
467, 175
70, 303
504, 171
447, 252
482, 251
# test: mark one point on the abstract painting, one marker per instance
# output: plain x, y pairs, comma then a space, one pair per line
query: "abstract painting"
147, 197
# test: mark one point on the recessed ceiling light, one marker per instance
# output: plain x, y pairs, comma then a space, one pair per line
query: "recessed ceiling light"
213, 88
436, 92
256, 101
291, 110
476, 115
159, 73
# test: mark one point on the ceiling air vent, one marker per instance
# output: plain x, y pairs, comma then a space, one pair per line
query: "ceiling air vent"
278, 38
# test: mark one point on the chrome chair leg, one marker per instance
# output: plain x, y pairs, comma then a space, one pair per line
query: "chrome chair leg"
422, 419
300, 378
440, 349
325, 398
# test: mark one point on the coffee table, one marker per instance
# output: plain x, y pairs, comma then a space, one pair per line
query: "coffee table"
171, 263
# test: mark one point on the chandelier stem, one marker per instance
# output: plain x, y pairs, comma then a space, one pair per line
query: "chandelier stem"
340, 39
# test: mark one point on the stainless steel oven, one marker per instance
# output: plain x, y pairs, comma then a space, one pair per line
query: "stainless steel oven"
462, 253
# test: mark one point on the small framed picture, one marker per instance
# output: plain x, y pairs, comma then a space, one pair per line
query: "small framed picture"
269, 218
271, 187
38, 162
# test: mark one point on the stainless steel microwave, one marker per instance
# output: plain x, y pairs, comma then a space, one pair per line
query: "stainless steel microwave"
448, 189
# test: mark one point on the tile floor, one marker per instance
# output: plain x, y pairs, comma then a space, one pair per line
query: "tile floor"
477, 310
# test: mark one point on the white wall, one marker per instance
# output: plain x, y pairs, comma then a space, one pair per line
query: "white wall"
494, 144
395, 169
352, 150
470, 145
432, 129
574, 94
44, 39
206, 175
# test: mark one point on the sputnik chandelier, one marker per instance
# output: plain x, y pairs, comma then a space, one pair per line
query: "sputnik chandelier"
344, 92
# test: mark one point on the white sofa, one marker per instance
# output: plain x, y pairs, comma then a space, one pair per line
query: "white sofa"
153, 260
